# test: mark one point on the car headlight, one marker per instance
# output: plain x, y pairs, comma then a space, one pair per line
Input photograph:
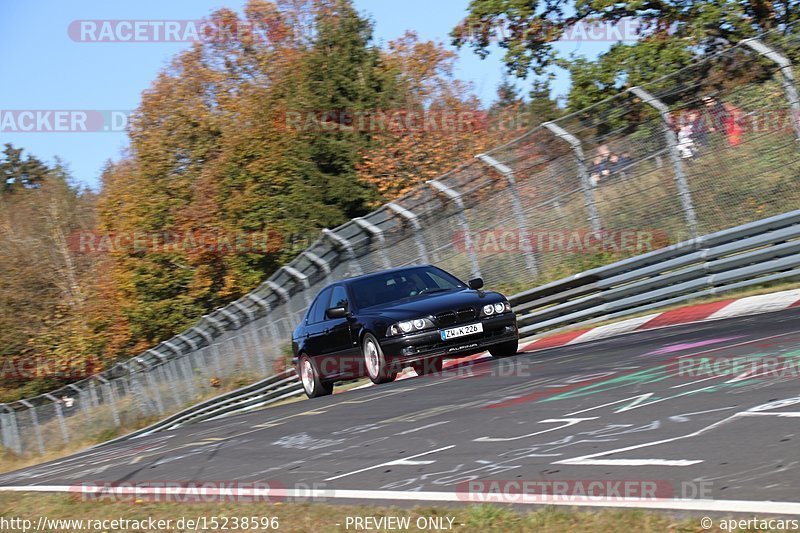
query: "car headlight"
495, 309
407, 326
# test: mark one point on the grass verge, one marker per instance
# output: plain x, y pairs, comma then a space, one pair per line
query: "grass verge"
300, 517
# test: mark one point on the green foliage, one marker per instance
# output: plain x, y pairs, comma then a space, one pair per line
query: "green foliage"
672, 35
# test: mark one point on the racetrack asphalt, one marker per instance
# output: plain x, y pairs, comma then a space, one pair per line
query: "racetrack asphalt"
678, 408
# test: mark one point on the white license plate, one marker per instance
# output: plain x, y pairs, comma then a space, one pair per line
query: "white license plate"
461, 331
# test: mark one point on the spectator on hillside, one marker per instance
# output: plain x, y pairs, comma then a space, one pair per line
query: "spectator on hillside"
717, 116
601, 165
686, 136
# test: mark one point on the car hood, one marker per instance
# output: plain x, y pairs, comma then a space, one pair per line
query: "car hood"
434, 303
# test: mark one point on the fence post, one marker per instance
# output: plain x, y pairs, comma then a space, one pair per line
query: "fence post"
675, 157
60, 416
79, 399
583, 173
462, 221
110, 398
154, 391
413, 219
785, 66
251, 315
273, 331
319, 262
516, 205
11, 438
35, 421
138, 391
376, 232
302, 278
344, 243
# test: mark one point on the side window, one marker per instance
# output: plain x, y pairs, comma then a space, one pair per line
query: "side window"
339, 297
317, 312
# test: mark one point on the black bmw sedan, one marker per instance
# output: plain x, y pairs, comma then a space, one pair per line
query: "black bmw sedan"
377, 324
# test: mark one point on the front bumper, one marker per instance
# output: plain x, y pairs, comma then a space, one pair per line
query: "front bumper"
428, 344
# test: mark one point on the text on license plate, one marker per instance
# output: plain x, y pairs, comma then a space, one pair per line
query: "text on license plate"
461, 331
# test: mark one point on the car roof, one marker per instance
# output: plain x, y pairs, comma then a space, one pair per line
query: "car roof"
374, 274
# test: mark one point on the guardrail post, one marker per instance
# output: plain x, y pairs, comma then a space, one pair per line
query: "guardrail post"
413, 219
583, 174
60, 416
376, 232
37, 431
677, 163
462, 221
344, 243
785, 66
516, 205
10, 429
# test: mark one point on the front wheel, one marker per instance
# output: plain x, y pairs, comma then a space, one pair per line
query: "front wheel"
309, 377
377, 369
505, 349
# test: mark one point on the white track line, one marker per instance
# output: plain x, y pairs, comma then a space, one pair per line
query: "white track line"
404, 461
730, 506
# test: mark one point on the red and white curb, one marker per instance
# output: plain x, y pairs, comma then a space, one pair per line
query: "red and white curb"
749, 305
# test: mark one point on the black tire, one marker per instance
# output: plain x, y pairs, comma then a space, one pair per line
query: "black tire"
505, 349
313, 386
378, 370
428, 366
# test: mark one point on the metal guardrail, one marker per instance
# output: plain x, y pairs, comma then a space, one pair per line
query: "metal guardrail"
743, 256
265, 392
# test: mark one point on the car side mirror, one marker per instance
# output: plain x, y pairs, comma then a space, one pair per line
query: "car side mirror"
336, 312
475, 283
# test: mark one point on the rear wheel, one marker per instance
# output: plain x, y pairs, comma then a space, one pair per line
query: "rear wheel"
374, 360
428, 366
309, 377
505, 349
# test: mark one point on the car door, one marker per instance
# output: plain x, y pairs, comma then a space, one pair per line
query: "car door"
315, 325
340, 336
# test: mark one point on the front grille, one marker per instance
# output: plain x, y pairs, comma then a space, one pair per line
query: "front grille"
465, 315
449, 318
446, 318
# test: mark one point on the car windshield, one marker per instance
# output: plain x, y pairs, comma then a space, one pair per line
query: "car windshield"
402, 285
